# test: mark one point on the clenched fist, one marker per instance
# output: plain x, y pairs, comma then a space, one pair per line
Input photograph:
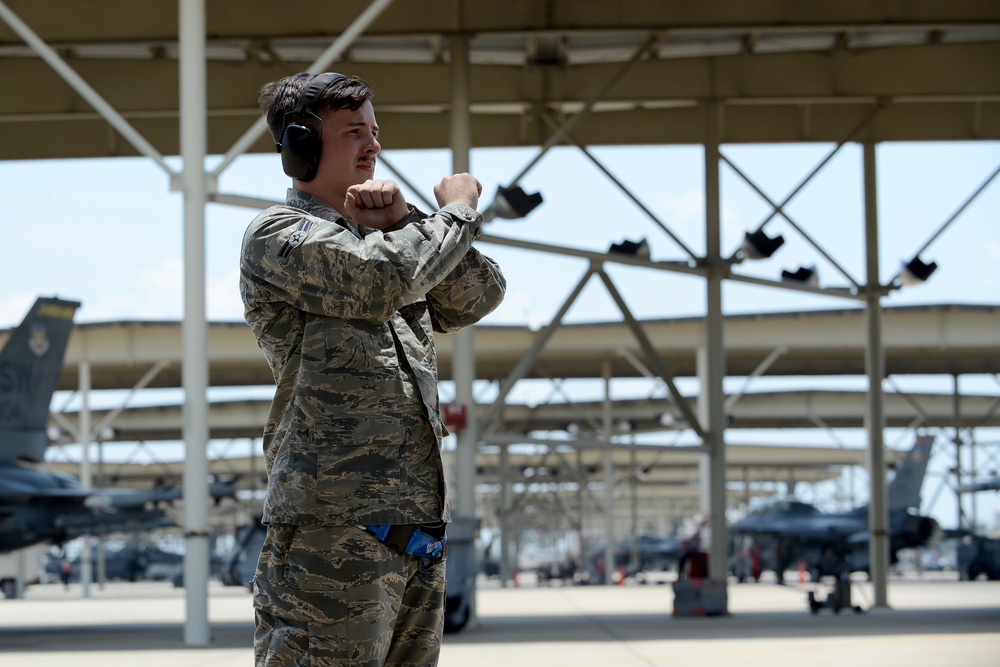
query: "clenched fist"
375, 204
460, 188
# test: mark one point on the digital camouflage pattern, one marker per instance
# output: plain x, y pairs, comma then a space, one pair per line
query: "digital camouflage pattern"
345, 318
337, 596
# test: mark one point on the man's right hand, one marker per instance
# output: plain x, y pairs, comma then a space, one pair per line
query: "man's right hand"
376, 204
460, 188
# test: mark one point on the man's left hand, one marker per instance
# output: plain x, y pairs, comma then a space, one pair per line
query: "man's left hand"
375, 204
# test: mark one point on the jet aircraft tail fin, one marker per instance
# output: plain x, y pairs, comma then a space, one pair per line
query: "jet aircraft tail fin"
904, 490
30, 366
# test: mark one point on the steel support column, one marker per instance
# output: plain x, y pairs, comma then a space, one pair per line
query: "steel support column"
878, 514
86, 563
506, 522
711, 360
581, 514
609, 481
194, 121
464, 348
963, 521
633, 484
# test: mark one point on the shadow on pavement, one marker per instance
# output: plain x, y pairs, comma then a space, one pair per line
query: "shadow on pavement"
747, 625
120, 637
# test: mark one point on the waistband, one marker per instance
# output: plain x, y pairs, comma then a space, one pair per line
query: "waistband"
425, 541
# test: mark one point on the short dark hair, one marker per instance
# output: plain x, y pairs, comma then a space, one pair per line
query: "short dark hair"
278, 98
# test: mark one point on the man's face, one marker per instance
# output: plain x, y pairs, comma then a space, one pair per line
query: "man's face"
350, 144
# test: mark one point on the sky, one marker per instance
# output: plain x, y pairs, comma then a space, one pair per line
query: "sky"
108, 232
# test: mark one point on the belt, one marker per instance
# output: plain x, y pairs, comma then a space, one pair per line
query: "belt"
425, 541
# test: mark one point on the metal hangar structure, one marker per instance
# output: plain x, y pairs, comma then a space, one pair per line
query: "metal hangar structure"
920, 340
113, 77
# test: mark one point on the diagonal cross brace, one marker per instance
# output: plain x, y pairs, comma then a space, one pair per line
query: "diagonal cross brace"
531, 356
652, 357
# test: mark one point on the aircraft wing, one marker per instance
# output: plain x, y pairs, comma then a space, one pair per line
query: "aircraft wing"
992, 484
906, 529
104, 499
28, 520
76, 523
39, 506
123, 499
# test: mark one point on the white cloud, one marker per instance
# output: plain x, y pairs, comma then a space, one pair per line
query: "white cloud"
517, 308
223, 298
684, 214
13, 308
161, 289
158, 294
154, 293
685, 210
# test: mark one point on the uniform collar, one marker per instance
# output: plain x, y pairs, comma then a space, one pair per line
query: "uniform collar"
315, 206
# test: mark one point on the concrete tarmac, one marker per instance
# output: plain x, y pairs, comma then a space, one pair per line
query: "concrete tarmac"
933, 620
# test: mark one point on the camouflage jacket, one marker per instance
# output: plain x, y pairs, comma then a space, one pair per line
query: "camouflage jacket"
345, 318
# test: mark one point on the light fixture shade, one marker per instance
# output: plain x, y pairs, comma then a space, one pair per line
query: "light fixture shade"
916, 271
804, 274
635, 248
672, 420
511, 203
758, 245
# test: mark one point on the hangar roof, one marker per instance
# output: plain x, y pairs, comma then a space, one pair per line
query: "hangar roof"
934, 339
783, 71
631, 71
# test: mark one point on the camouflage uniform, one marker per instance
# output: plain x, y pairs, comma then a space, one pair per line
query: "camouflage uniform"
345, 317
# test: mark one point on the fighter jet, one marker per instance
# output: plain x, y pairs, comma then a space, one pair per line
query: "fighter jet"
38, 506
991, 484
787, 532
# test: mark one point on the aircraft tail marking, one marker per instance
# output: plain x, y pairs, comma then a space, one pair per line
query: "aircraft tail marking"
30, 365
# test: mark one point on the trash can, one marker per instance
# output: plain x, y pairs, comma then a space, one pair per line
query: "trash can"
460, 572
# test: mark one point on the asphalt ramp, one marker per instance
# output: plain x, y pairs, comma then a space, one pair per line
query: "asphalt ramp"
937, 621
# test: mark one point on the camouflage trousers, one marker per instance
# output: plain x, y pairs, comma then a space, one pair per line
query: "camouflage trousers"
334, 596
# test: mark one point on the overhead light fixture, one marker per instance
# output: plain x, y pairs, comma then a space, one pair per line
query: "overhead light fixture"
511, 203
634, 248
758, 245
916, 271
806, 275
624, 426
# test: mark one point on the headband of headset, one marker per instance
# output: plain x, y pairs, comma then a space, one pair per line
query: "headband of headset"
301, 144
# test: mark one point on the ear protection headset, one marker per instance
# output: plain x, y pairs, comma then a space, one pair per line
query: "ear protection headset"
301, 144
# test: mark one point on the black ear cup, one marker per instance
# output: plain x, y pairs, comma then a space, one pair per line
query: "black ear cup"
301, 145
300, 150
